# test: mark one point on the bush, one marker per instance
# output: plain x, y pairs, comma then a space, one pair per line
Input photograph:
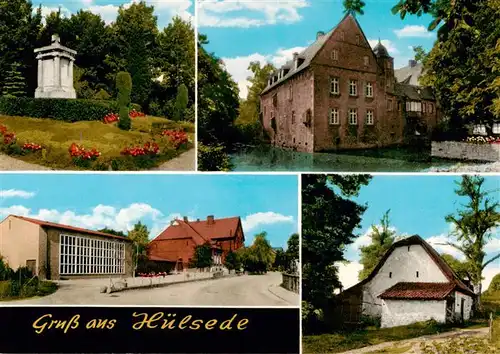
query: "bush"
124, 86
181, 102
213, 158
5, 288
58, 109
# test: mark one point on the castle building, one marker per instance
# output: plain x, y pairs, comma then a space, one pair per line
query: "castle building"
339, 93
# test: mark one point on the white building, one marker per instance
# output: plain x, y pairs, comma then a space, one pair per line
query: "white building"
411, 283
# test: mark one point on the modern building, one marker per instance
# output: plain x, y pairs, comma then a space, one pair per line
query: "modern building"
411, 283
56, 251
340, 94
178, 241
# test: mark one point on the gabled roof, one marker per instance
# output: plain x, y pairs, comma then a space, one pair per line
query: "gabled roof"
413, 92
440, 262
418, 291
68, 227
409, 74
310, 53
201, 231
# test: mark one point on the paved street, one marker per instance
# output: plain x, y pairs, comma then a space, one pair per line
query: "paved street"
246, 290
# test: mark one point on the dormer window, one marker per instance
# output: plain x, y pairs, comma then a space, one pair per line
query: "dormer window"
335, 55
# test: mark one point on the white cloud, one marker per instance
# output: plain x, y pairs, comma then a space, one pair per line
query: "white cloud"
388, 44
238, 66
348, 273
439, 243
413, 31
15, 193
253, 221
87, 2
47, 10
101, 216
231, 13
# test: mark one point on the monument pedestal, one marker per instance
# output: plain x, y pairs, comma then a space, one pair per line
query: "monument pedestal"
55, 71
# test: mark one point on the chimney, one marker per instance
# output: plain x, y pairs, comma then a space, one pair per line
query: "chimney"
320, 34
186, 219
296, 60
412, 63
210, 220
197, 220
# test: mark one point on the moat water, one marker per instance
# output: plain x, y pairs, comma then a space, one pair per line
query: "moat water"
268, 158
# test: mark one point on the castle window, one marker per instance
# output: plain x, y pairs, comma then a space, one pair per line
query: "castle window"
275, 100
334, 116
417, 274
369, 89
293, 117
389, 105
496, 128
353, 88
353, 116
479, 129
388, 65
366, 60
390, 274
342, 35
369, 117
358, 39
431, 108
335, 55
334, 85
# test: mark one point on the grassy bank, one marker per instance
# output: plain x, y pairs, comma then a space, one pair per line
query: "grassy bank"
56, 137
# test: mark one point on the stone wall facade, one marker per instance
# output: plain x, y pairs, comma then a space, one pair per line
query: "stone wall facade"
405, 312
466, 151
291, 282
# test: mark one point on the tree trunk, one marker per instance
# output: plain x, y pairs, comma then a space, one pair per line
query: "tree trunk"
477, 302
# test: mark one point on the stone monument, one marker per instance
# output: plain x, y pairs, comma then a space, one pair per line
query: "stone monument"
55, 71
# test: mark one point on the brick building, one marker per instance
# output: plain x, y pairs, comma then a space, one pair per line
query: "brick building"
178, 241
56, 251
340, 94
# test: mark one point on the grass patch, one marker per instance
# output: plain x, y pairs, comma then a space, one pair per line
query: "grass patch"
393, 350
344, 341
56, 138
10, 290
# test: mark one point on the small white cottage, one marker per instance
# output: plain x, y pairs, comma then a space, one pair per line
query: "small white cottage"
411, 283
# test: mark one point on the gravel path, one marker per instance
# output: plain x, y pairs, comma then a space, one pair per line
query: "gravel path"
412, 346
8, 163
184, 162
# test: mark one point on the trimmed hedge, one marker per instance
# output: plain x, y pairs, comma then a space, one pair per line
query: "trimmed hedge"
68, 110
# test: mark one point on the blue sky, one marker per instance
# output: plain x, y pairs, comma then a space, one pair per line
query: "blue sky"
108, 9
265, 203
418, 205
264, 30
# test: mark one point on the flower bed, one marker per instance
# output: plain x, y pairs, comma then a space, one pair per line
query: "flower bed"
82, 157
113, 117
32, 147
482, 140
177, 137
149, 148
134, 114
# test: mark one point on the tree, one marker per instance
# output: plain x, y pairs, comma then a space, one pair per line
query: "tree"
181, 102
202, 256
382, 239
112, 232
20, 28
329, 220
494, 285
473, 226
420, 54
281, 261
354, 7
124, 85
218, 99
139, 236
134, 44
460, 268
463, 65
232, 261
14, 84
259, 257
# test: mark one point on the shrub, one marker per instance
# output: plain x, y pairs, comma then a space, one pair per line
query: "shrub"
124, 86
58, 109
5, 288
213, 158
181, 102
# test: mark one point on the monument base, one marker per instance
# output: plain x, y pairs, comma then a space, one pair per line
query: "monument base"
57, 93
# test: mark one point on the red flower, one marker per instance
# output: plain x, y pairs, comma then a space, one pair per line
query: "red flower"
3, 129
149, 148
77, 151
32, 147
177, 137
9, 138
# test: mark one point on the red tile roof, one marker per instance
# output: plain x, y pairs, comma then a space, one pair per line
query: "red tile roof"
440, 262
418, 291
68, 227
201, 231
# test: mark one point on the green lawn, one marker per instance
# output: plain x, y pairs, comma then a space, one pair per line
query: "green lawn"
56, 138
